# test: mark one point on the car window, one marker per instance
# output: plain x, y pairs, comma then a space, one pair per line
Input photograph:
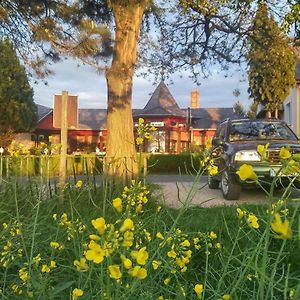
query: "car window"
260, 130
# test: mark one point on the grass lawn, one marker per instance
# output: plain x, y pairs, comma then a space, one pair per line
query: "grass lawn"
112, 243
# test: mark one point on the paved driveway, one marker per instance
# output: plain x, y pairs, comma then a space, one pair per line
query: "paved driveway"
177, 190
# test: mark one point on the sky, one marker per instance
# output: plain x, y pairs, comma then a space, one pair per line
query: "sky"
215, 91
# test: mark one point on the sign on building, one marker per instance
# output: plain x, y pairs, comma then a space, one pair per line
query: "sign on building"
157, 124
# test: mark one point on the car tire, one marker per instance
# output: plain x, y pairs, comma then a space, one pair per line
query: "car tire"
213, 183
231, 189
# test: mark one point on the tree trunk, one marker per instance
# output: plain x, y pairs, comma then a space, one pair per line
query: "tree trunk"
121, 162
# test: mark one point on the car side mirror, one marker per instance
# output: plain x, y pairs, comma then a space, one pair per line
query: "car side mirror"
216, 141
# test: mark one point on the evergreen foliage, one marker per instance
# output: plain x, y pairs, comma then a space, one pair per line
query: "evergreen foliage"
271, 61
18, 111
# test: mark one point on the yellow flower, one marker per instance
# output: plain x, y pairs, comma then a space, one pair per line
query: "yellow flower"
171, 253
78, 184
126, 262
94, 237
212, 235
246, 172
284, 153
54, 217
167, 281
198, 288
159, 236
262, 150
218, 245
45, 269
212, 170
95, 253
127, 225
160, 298
23, 274
185, 243
52, 264
54, 245
81, 265
128, 238
155, 264
141, 121
139, 272
99, 224
76, 293
142, 256
283, 230
240, 213
117, 204
114, 272
139, 141
226, 297
253, 221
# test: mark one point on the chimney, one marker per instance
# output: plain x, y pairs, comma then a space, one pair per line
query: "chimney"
194, 99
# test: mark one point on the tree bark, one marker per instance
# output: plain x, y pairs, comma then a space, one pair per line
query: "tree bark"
121, 159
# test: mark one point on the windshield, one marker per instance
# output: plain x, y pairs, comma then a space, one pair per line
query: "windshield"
262, 130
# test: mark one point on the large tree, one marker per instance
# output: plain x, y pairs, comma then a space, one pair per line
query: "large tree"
18, 111
271, 62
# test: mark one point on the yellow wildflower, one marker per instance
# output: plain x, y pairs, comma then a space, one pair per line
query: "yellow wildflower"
128, 238
127, 225
159, 235
23, 274
95, 253
54, 217
142, 256
198, 288
155, 264
78, 184
94, 237
212, 235
141, 121
240, 213
246, 172
45, 269
282, 229
284, 153
54, 245
167, 281
52, 264
76, 293
226, 297
126, 262
139, 141
262, 150
99, 225
185, 243
160, 298
139, 272
81, 265
253, 221
117, 204
114, 272
218, 245
212, 170
171, 253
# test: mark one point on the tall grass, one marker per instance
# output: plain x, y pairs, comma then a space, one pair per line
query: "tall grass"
171, 250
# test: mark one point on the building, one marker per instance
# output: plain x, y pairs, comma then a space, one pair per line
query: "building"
291, 105
177, 128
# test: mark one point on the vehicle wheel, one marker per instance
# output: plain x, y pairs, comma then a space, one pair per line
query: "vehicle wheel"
212, 182
231, 189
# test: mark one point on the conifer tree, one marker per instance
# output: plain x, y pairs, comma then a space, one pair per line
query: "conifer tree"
18, 111
271, 62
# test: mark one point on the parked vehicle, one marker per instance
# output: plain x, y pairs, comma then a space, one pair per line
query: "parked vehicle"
235, 143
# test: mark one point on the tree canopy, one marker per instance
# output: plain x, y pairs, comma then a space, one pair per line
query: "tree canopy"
271, 61
18, 111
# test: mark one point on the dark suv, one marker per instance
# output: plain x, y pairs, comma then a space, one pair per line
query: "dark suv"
235, 143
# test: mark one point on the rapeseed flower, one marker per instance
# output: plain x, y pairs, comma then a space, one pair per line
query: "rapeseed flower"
128, 238
185, 243
117, 204
159, 235
212, 235
81, 265
240, 213
226, 297
127, 225
56, 245
127, 263
139, 140
99, 225
282, 229
45, 269
78, 184
262, 150
198, 288
142, 256
284, 153
171, 253
95, 253
246, 172
114, 272
23, 274
139, 272
167, 281
212, 170
253, 221
76, 293
156, 264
